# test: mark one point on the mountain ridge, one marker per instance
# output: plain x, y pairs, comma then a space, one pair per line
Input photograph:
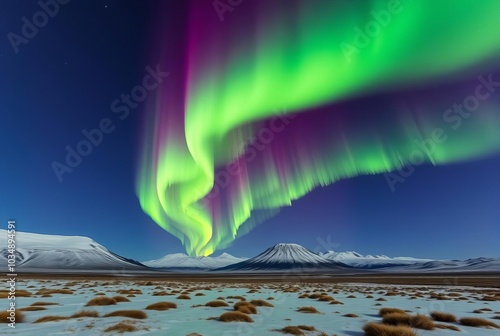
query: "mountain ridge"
39, 252
285, 256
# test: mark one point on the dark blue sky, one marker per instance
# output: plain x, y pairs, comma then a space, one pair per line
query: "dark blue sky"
63, 81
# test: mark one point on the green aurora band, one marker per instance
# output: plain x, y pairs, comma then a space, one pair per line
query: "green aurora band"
298, 56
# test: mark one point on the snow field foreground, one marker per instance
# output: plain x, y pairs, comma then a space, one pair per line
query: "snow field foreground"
329, 309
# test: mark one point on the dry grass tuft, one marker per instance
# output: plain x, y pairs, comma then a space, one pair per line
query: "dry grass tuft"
351, 315
447, 326
137, 314
478, 322
261, 303
385, 311
161, 306
121, 328
237, 297
101, 301
160, 293
4, 315
415, 321
235, 316
85, 313
245, 307
443, 317
325, 298
50, 318
423, 322
183, 297
120, 298
129, 291
309, 310
44, 303
377, 329
46, 291
294, 330
19, 293
335, 302
216, 303
32, 308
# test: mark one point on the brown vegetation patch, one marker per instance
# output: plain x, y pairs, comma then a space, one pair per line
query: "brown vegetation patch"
245, 307
308, 310
325, 298
184, 297
129, 291
447, 326
161, 306
478, 322
216, 303
235, 316
19, 293
161, 293
261, 303
377, 329
121, 327
46, 291
335, 302
296, 330
120, 298
101, 301
85, 313
44, 303
443, 317
32, 308
385, 311
137, 314
415, 321
350, 315
50, 318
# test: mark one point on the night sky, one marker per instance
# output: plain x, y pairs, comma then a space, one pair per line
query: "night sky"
64, 80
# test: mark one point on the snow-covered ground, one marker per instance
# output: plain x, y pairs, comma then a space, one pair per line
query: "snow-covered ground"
186, 319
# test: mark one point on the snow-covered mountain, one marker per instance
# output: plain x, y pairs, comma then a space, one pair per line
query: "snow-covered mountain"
285, 256
371, 261
468, 265
41, 252
181, 261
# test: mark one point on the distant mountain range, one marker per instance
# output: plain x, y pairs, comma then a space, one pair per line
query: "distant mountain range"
55, 253
355, 259
181, 261
49, 253
468, 265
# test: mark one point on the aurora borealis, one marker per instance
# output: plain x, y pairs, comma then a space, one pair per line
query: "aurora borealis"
282, 98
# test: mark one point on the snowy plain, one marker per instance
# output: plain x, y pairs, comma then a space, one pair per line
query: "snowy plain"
186, 319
